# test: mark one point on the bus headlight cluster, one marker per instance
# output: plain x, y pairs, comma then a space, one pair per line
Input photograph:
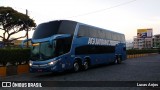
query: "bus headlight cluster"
53, 62
30, 63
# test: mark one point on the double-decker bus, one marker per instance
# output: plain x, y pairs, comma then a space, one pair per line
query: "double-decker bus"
63, 44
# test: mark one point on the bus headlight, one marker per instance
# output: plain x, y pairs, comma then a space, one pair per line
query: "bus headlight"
53, 62
30, 63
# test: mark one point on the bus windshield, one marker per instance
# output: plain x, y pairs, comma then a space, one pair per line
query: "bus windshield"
42, 51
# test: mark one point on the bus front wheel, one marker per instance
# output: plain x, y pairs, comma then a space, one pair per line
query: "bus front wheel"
119, 61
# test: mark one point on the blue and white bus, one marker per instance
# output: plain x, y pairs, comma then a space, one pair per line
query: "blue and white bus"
63, 44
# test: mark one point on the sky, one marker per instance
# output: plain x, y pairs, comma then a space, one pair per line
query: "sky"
123, 16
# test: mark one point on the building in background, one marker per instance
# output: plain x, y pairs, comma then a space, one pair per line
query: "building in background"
144, 39
129, 45
156, 41
17, 43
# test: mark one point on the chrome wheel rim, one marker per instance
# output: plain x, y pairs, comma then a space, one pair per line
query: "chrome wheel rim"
85, 65
76, 66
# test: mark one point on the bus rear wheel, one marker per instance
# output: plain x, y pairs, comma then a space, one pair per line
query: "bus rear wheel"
76, 67
86, 65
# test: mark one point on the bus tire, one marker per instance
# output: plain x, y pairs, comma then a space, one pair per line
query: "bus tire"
76, 66
119, 61
86, 65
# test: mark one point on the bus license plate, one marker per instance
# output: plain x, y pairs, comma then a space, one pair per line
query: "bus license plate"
39, 70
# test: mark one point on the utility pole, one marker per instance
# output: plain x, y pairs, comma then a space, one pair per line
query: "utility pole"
27, 28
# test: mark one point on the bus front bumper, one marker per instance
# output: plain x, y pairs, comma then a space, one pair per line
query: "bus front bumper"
45, 67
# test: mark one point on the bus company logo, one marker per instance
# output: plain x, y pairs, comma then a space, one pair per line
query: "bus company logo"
95, 41
6, 84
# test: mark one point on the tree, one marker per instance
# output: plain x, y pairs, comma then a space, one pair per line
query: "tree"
13, 22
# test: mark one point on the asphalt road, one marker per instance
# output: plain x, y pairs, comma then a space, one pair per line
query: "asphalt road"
137, 69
